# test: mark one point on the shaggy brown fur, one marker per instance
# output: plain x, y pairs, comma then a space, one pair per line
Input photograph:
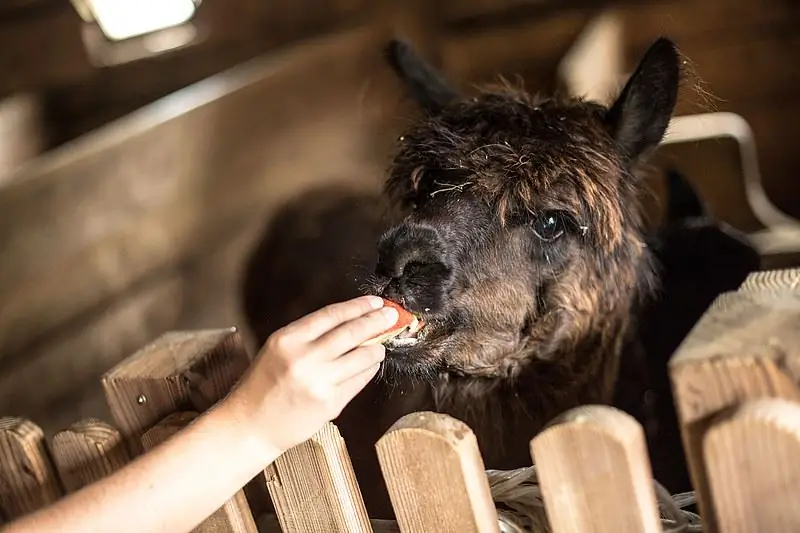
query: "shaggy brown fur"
521, 245
522, 248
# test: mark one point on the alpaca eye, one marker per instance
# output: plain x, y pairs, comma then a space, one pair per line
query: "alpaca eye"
548, 226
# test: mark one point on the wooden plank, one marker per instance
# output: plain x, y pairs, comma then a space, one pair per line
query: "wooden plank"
234, 516
28, 480
146, 192
595, 473
314, 488
435, 476
746, 346
87, 451
752, 457
180, 370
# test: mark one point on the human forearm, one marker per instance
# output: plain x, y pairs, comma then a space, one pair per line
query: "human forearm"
170, 489
303, 377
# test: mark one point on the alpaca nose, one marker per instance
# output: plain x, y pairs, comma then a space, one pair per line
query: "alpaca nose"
406, 248
414, 259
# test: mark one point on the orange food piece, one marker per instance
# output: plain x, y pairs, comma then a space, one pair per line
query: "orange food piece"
404, 320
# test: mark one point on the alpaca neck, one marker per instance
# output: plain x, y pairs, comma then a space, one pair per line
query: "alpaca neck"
505, 413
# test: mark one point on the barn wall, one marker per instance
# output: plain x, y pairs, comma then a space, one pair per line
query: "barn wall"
143, 225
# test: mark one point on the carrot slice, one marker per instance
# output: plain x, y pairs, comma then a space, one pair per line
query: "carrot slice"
404, 319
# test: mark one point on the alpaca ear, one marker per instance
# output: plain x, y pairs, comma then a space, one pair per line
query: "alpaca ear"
428, 88
641, 113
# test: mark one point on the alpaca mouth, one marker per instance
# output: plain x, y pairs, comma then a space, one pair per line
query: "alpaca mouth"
411, 336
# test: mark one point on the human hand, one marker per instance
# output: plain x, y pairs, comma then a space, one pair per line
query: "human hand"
309, 370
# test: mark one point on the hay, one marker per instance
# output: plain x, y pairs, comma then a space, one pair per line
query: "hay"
520, 507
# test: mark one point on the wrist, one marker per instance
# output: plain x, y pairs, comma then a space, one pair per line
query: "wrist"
244, 424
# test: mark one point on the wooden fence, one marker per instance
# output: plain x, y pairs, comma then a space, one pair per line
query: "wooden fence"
736, 387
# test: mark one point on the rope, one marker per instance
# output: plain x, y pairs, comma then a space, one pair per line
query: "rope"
520, 506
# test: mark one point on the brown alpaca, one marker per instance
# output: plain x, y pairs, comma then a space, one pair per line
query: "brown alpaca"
520, 243
522, 246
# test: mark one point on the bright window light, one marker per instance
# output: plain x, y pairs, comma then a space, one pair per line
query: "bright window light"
123, 19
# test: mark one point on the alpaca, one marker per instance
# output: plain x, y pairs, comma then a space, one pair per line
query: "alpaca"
523, 248
520, 242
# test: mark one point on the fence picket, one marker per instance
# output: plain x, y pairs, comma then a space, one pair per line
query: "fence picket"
180, 370
28, 479
752, 456
746, 346
235, 515
87, 451
435, 476
595, 473
314, 488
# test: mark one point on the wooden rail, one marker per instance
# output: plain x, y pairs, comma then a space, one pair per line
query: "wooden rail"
736, 382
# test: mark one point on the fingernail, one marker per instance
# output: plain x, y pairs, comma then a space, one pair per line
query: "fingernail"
390, 314
376, 302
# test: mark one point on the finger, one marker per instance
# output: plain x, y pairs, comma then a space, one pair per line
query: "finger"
352, 334
347, 390
313, 325
355, 362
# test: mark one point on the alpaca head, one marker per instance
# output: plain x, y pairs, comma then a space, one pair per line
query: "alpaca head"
521, 234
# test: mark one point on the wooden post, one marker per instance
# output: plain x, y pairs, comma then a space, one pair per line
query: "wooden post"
28, 480
235, 515
86, 452
179, 371
435, 476
595, 473
752, 458
314, 488
746, 346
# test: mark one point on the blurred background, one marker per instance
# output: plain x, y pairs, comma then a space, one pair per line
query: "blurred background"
147, 146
